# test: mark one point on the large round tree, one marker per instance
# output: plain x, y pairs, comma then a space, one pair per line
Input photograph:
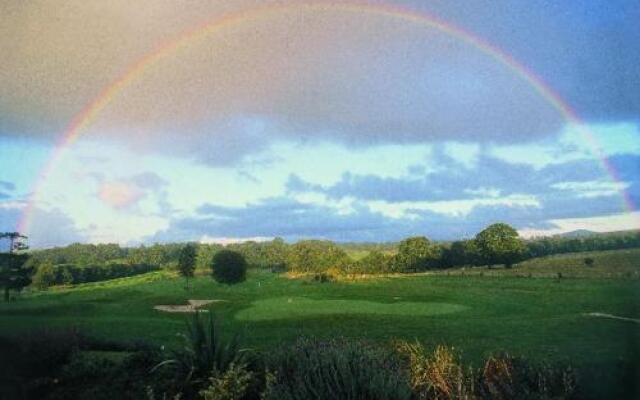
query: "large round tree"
415, 254
229, 266
500, 244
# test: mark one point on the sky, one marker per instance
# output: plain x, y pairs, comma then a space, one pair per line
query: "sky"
329, 121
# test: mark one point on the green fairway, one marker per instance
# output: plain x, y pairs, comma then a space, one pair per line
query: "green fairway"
541, 318
300, 307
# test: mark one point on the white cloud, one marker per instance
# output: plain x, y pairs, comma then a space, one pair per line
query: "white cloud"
593, 189
231, 240
606, 223
454, 208
576, 142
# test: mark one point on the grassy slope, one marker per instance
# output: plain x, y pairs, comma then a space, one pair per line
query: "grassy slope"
539, 318
623, 264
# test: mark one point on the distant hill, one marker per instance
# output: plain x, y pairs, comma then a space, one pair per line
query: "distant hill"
577, 234
581, 233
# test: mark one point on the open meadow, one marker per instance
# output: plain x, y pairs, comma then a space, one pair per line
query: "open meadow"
538, 317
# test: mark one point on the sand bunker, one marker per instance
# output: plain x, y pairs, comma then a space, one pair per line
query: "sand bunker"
611, 316
193, 306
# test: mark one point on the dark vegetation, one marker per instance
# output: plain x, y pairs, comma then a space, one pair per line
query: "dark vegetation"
187, 262
496, 245
228, 266
68, 365
70, 274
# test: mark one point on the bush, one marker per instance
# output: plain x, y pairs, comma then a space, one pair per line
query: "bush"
416, 254
335, 369
588, 261
228, 267
233, 384
29, 361
204, 353
506, 377
45, 276
436, 376
317, 256
375, 262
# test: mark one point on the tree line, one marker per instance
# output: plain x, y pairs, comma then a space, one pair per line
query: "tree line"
497, 244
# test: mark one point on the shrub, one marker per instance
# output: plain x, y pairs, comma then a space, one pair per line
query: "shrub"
233, 384
416, 254
588, 261
45, 276
228, 267
436, 376
335, 369
506, 377
29, 361
375, 262
316, 256
204, 353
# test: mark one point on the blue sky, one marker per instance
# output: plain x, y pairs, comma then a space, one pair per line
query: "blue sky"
322, 124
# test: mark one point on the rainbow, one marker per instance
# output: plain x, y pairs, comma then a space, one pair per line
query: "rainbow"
136, 70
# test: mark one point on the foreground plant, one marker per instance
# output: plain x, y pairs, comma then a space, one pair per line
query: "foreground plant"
335, 369
436, 376
204, 354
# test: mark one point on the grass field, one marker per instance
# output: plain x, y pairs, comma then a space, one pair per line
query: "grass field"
541, 318
621, 264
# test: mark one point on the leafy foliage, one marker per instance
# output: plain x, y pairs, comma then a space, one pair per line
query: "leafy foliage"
375, 262
438, 375
229, 267
204, 353
336, 369
416, 254
45, 276
233, 384
506, 377
67, 274
187, 261
500, 244
317, 256
14, 275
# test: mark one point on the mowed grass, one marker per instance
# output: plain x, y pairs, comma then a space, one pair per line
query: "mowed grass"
622, 264
540, 318
301, 307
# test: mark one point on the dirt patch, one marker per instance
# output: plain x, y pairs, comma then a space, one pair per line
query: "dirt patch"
611, 316
193, 306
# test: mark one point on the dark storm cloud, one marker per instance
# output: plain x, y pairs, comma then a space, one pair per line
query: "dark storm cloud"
349, 77
586, 50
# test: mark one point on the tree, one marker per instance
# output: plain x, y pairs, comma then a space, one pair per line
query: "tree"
500, 244
13, 274
376, 262
462, 252
416, 253
45, 276
276, 253
316, 256
187, 262
228, 266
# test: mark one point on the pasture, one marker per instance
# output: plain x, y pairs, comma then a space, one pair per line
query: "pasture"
543, 318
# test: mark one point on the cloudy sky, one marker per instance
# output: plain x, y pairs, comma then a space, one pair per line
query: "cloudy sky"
324, 121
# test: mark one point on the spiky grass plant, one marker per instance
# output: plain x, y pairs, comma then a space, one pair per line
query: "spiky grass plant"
203, 355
